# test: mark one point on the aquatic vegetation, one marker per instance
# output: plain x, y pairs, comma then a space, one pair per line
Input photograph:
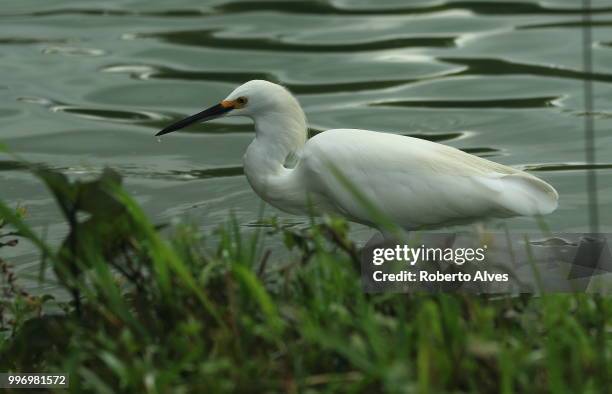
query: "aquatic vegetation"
177, 312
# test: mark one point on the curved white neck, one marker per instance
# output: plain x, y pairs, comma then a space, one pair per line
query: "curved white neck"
277, 136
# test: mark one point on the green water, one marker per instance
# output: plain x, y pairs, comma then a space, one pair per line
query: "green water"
86, 84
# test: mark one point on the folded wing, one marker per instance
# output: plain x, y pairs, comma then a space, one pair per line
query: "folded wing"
416, 182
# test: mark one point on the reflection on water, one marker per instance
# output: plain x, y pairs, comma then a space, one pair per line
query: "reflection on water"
477, 7
503, 67
109, 114
210, 39
88, 87
529, 102
567, 167
74, 51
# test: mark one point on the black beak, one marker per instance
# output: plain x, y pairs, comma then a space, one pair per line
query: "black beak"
210, 113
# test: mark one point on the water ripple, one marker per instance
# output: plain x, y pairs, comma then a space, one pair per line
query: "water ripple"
29, 41
438, 137
567, 167
45, 102
469, 67
556, 25
179, 175
477, 7
594, 114
489, 66
484, 151
237, 77
102, 114
509, 103
553, 241
216, 172
324, 8
74, 51
210, 39
107, 12
112, 115
231, 171
143, 71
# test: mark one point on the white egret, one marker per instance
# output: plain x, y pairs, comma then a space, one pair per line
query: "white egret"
414, 182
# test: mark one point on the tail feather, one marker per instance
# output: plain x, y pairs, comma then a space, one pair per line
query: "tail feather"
527, 195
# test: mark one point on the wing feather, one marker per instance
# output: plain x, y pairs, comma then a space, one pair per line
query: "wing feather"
417, 182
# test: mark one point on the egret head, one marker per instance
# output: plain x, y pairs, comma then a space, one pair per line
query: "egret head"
252, 99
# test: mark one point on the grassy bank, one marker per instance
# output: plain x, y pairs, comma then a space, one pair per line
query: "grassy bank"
175, 313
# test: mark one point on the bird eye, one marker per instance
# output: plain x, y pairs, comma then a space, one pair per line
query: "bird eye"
242, 101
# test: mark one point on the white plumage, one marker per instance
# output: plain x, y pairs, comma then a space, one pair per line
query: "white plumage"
413, 182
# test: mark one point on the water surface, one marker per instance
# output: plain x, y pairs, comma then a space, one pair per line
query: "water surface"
86, 85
